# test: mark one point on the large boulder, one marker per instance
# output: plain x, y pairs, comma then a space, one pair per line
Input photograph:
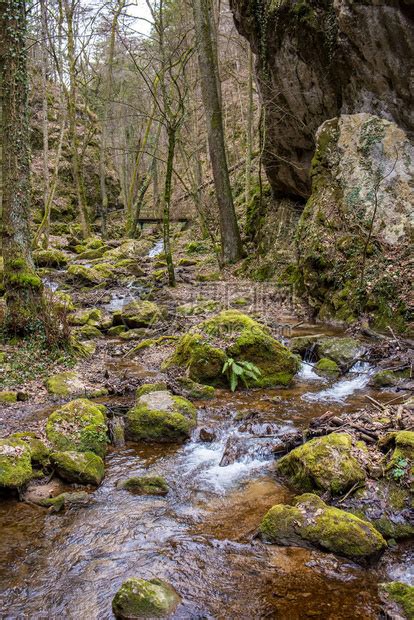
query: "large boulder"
160, 417
316, 60
82, 467
354, 234
89, 276
311, 522
343, 351
231, 334
78, 425
138, 314
49, 258
139, 598
15, 463
323, 464
133, 248
400, 466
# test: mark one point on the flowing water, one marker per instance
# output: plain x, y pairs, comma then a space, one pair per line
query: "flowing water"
200, 537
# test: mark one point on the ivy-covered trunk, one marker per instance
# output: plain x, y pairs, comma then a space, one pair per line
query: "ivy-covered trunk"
23, 287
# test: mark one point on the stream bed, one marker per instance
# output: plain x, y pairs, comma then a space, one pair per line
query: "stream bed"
201, 536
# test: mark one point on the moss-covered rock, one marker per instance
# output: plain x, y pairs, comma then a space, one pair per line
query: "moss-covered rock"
82, 467
147, 388
15, 463
343, 351
38, 450
144, 485
201, 307
88, 276
139, 598
311, 522
78, 425
88, 332
129, 250
326, 366
134, 334
384, 378
7, 396
302, 344
138, 314
66, 383
205, 349
88, 316
325, 464
116, 330
196, 390
402, 594
49, 258
64, 500
400, 466
160, 417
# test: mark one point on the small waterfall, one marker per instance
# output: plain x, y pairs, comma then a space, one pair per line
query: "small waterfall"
157, 249
356, 379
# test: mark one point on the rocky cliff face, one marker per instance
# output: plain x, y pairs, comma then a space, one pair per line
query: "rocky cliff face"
318, 59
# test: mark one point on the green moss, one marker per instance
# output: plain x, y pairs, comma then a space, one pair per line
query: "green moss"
91, 316
82, 467
324, 463
311, 521
209, 276
15, 463
196, 247
145, 485
64, 500
196, 390
402, 594
384, 378
117, 330
49, 258
78, 425
8, 396
147, 388
89, 332
86, 275
160, 417
327, 366
203, 361
138, 314
343, 351
38, 450
138, 598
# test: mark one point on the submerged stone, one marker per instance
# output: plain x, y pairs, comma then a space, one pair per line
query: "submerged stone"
139, 598
311, 522
78, 425
64, 500
82, 467
144, 485
325, 464
15, 463
160, 417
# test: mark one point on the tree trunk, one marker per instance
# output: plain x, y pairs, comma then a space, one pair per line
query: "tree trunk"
171, 132
230, 235
249, 130
45, 124
71, 101
24, 290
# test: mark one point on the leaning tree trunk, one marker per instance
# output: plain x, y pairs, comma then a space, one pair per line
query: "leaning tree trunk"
172, 136
207, 60
23, 287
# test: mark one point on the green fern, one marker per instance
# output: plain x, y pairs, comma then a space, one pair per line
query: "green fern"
240, 371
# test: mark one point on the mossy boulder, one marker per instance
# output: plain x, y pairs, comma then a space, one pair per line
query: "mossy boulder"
384, 378
89, 316
202, 307
15, 463
160, 417
323, 464
191, 389
88, 332
343, 351
147, 388
138, 314
78, 425
7, 396
49, 258
204, 350
302, 344
310, 522
82, 467
139, 598
144, 485
38, 450
400, 466
89, 276
402, 594
327, 367
129, 250
68, 383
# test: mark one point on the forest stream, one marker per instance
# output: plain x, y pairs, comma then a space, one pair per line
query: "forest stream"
202, 536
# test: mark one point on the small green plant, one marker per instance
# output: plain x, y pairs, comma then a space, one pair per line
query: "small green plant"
240, 370
400, 469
